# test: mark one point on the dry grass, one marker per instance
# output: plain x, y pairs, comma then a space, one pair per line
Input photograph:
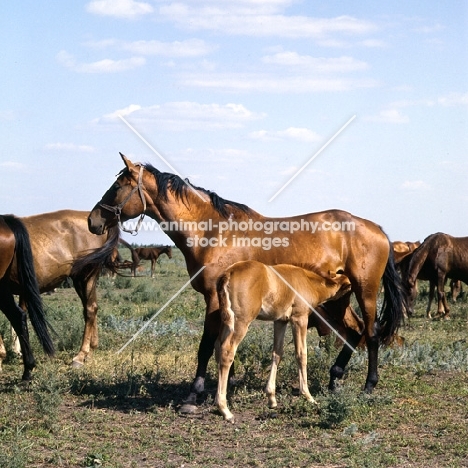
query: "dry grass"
121, 410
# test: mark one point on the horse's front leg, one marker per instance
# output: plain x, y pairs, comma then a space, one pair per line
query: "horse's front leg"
205, 351
86, 290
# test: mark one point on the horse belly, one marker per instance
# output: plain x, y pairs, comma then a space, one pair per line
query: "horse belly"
269, 313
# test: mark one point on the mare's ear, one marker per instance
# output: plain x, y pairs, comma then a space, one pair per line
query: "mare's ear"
130, 166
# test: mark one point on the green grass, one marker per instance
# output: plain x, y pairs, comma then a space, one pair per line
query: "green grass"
120, 410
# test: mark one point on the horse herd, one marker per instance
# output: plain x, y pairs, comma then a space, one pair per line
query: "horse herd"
306, 278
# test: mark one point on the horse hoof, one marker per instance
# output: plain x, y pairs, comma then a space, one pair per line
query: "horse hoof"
77, 364
188, 408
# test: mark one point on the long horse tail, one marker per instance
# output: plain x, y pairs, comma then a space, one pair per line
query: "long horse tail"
91, 265
227, 315
395, 303
28, 282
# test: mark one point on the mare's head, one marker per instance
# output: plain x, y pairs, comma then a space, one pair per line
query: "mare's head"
124, 200
169, 251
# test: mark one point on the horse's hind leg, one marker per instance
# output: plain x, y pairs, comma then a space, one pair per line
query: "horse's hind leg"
86, 290
432, 287
278, 347
337, 370
2, 352
18, 319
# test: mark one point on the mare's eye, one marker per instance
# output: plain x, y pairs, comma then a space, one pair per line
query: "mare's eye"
116, 186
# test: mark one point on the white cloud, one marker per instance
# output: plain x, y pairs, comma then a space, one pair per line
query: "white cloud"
101, 66
186, 48
316, 64
415, 185
291, 133
12, 165
259, 19
392, 116
182, 116
119, 8
454, 99
69, 147
272, 83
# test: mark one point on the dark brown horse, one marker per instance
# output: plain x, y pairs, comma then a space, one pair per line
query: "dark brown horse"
439, 257
16, 255
215, 233
63, 247
152, 254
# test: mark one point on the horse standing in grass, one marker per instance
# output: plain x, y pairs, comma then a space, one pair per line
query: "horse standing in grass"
63, 247
152, 254
214, 233
439, 257
16, 256
250, 290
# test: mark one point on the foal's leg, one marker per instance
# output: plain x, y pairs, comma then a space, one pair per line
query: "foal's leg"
299, 329
86, 290
229, 341
278, 346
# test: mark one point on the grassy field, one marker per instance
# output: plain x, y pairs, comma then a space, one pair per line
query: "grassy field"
120, 410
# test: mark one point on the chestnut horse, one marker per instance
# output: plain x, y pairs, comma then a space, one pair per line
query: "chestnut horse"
439, 257
16, 254
250, 290
63, 247
214, 233
153, 253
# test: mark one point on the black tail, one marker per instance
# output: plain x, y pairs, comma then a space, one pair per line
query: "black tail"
28, 282
91, 265
395, 304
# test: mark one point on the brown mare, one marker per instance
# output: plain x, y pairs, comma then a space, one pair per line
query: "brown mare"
16, 254
63, 247
251, 290
439, 257
215, 233
153, 253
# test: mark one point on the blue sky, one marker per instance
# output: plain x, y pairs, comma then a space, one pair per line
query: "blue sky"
238, 95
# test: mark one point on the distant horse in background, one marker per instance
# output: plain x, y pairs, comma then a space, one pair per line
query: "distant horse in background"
250, 290
439, 257
403, 249
153, 253
16, 256
359, 248
62, 247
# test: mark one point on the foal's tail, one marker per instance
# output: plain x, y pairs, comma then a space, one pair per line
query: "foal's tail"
395, 303
227, 315
28, 282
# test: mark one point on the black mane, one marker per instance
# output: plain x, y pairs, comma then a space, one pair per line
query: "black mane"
179, 187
